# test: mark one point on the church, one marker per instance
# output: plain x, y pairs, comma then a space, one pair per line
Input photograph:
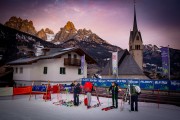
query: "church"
129, 62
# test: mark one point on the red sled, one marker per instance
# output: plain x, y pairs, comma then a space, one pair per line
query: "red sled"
85, 101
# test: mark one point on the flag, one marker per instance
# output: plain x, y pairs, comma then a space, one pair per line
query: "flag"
165, 61
114, 63
82, 64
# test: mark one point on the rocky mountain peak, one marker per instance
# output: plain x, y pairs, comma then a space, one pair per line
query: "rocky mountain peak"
22, 25
70, 26
45, 34
49, 31
41, 34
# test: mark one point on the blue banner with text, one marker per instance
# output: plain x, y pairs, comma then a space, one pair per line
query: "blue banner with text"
173, 85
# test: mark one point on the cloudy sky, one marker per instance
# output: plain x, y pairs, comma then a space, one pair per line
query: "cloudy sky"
112, 20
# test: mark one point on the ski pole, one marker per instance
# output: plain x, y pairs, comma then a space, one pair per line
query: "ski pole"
107, 95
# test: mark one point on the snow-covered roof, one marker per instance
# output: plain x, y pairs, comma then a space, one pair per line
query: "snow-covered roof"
55, 52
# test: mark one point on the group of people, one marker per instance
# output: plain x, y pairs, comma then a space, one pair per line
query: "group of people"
114, 89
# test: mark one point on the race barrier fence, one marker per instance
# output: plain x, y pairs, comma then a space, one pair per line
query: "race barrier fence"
44, 89
162, 85
6, 91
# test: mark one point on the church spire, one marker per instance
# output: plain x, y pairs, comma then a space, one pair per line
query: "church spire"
135, 28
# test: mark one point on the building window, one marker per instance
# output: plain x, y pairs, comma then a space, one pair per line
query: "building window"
137, 47
45, 70
21, 69
16, 70
79, 71
69, 55
62, 70
75, 56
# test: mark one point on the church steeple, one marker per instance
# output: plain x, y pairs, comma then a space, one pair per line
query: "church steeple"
136, 42
135, 28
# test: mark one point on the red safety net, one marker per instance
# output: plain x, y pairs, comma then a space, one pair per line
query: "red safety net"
22, 90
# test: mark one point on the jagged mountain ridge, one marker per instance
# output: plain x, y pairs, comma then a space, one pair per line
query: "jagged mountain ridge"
152, 55
70, 32
28, 27
21, 25
66, 33
15, 44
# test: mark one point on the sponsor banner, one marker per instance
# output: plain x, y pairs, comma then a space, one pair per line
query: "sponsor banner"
82, 64
165, 61
161, 85
173, 85
133, 81
147, 84
39, 88
122, 83
6, 91
114, 63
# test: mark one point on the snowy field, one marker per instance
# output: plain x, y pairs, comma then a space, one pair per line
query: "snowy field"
22, 109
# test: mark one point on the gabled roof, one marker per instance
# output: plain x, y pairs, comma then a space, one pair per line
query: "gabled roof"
135, 31
54, 53
129, 67
133, 35
126, 65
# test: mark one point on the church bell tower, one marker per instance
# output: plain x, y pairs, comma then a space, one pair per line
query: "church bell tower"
136, 43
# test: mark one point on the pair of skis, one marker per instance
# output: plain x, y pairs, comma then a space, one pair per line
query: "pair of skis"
108, 108
95, 106
67, 104
99, 103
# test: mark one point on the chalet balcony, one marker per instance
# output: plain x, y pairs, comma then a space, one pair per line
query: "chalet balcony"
72, 62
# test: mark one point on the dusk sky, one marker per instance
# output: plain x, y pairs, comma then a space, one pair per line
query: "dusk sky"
158, 20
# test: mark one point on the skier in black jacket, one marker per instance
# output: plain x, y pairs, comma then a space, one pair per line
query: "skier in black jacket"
114, 88
77, 91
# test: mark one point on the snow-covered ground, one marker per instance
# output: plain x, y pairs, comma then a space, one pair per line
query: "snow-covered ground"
22, 109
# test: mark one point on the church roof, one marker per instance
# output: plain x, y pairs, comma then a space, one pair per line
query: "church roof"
129, 67
135, 28
135, 31
133, 35
126, 65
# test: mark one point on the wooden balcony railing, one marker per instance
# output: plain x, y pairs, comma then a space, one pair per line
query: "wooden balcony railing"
72, 62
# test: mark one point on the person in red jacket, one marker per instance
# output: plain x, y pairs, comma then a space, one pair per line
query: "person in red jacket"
88, 87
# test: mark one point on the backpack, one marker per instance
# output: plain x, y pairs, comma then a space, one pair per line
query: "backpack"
137, 89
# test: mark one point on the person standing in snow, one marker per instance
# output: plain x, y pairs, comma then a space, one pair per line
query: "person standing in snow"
114, 89
88, 87
77, 90
134, 98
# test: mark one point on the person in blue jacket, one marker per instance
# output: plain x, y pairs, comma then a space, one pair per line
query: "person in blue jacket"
76, 91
